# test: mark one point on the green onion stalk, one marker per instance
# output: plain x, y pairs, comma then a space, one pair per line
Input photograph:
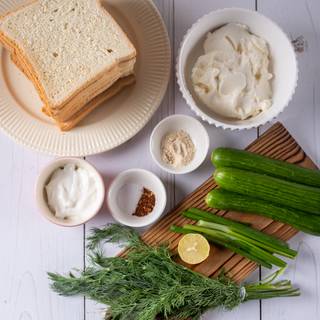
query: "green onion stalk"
148, 284
239, 238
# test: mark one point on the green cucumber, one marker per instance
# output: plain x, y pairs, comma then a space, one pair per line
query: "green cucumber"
225, 200
288, 194
241, 159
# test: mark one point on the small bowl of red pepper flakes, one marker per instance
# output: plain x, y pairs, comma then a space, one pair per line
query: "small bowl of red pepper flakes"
136, 198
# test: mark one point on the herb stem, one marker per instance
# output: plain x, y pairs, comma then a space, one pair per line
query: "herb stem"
267, 288
227, 244
197, 214
147, 283
237, 241
258, 241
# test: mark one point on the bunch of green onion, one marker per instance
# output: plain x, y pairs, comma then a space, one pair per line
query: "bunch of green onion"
238, 237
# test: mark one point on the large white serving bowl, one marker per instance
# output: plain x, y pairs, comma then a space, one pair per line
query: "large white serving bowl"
284, 64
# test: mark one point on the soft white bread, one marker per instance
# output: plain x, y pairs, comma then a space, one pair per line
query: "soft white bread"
66, 46
96, 102
83, 97
81, 113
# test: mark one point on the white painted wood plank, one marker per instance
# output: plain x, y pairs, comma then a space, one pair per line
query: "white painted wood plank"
30, 245
304, 272
186, 13
134, 154
138, 153
302, 118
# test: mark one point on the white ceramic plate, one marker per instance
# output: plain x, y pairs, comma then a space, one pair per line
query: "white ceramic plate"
111, 124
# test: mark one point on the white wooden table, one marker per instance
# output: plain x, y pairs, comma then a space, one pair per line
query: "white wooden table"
30, 246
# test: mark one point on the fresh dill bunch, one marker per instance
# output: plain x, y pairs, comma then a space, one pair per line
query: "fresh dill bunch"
113, 233
147, 283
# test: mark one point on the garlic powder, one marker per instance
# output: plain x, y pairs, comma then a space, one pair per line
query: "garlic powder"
177, 149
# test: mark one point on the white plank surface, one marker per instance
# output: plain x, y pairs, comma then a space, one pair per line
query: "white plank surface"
186, 13
302, 118
135, 154
30, 246
300, 19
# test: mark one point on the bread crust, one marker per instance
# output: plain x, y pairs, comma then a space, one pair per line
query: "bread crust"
96, 102
69, 124
14, 48
106, 81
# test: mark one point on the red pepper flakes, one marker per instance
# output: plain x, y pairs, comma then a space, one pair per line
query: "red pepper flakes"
146, 203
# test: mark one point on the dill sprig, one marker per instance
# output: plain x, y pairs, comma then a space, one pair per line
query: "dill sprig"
113, 233
147, 283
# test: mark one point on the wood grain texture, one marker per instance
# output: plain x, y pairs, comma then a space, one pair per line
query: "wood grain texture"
30, 245
187, 12
276, 143
134, 154
300, 21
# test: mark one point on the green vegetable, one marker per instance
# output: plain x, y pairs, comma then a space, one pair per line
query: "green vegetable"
197, 214
243, 250
225, 200
246, 241
262, 288
250, 250
147, 283
289, 194
284, 250
241, 159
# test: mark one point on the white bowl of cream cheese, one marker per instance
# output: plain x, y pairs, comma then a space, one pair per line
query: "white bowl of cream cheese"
236, 69
69, 192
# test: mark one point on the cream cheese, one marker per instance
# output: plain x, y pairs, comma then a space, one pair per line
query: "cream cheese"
72, 192
232, 78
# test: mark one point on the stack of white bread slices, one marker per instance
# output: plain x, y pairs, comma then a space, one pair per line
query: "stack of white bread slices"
73, 51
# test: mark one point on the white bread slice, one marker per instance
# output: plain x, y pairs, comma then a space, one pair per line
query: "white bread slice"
79, 115
94, 103
67, 45
84, 96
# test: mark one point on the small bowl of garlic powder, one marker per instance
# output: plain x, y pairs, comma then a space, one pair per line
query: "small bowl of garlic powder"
179, 144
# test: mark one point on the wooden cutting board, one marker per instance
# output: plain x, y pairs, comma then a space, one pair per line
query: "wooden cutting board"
276, 143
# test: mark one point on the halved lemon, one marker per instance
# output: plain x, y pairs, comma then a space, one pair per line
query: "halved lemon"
193, 248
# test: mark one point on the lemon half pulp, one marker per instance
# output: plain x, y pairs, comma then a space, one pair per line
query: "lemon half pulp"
193, 248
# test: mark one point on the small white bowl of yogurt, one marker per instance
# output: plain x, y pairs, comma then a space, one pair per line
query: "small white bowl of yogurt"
69, 192
236, 69
179, 144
